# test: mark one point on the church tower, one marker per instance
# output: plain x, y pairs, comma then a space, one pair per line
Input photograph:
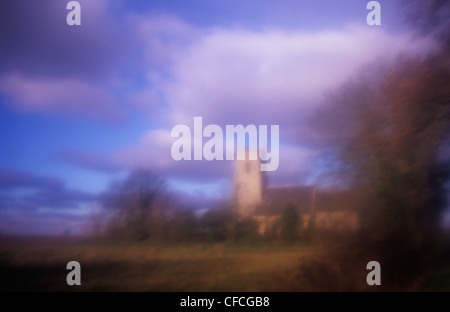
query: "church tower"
248, 187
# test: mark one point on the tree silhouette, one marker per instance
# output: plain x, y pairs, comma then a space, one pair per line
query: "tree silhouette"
390, 136
289, 223
131, 203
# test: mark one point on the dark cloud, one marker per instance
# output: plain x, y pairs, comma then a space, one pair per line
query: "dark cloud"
36, 39
42, 192
10, 179
60, 198
8, 202
49, 67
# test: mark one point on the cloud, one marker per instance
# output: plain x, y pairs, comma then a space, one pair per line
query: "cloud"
40, 204
84, 72
66, 97
14, 179
34, 222
87, 159
153, 151
60, 198
51, 68
236, 76
227, 76
36, 39
162, 38
273, 77
148, 102
295, 166
176, 71
19, 190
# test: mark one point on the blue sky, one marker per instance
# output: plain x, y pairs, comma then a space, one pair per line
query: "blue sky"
80, 106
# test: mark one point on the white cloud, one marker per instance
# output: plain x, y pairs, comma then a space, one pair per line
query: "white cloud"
235, 76
152, 151
163, 38
231, 76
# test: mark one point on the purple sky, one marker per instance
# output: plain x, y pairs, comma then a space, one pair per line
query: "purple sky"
80, 106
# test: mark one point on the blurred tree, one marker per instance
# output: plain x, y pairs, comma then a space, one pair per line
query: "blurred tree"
289, 223
182, 226
430, 17
217, 225
131, 203
246, 230
390, 135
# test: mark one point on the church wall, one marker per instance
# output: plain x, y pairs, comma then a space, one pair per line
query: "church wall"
337, 221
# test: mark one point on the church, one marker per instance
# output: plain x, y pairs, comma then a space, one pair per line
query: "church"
326, 210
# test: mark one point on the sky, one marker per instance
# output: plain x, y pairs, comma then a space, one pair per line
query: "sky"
81, 106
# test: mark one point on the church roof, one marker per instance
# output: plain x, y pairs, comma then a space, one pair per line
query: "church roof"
275, 199
332, 200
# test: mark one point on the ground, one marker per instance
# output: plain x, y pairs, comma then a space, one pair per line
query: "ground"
147, 267
40, 264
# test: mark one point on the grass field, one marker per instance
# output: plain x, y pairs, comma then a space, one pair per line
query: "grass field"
39, 264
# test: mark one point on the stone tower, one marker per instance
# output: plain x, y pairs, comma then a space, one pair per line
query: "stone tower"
248, 187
